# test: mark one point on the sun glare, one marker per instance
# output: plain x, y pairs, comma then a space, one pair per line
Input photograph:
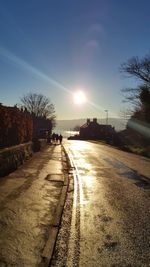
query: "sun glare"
79, 98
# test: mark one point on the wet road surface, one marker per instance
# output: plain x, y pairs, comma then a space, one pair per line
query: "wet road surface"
110, 220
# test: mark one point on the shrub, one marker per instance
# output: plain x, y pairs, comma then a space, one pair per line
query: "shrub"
15, 126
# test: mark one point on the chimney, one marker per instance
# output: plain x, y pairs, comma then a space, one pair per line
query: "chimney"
88, 121
95, 120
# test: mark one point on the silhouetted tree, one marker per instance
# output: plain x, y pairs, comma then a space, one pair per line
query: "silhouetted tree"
139, 68
39, 106
139, 96
42, 112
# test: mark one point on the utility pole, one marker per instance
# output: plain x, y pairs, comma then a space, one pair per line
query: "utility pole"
106, 110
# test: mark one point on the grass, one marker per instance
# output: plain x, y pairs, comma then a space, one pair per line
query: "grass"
140, 151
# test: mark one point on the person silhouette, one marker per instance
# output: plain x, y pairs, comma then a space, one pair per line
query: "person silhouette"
60, 138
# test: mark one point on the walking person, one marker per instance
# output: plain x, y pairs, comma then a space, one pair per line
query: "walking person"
57, 138
60, 138
53, 137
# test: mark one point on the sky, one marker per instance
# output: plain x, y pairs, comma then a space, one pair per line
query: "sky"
56, 47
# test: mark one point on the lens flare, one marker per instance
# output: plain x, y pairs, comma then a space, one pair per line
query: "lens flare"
79, 96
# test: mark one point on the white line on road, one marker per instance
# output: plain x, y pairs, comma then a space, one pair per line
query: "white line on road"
74, 231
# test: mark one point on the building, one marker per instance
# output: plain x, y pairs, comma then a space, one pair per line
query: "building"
95, 131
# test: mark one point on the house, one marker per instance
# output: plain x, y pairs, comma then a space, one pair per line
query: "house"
95, 131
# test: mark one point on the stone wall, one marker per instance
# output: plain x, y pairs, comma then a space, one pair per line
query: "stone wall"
11, 158
39, 144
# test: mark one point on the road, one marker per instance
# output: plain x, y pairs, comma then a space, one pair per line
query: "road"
110, 220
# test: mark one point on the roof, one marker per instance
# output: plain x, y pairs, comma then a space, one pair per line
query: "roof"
91, 124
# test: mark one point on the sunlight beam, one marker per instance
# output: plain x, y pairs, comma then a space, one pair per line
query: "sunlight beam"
13, 58
22, 63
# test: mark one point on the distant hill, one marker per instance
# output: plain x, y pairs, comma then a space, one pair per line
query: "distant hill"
67, 125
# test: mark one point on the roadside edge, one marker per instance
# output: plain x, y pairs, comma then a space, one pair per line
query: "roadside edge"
48, 250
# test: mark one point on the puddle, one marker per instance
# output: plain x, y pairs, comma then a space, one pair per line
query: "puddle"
124, 171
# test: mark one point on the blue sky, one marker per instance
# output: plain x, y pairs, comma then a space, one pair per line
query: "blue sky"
54, 47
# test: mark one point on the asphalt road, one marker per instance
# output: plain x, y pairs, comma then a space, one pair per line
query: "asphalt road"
110, 220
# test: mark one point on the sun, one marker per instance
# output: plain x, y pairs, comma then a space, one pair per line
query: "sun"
79, 98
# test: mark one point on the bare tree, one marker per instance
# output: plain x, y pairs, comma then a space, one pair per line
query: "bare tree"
131, 95
138, 68
38, 105
139, 96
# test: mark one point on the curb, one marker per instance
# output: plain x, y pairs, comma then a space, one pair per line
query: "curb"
48, 250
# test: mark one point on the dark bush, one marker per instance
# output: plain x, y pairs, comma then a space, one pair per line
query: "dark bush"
15, 126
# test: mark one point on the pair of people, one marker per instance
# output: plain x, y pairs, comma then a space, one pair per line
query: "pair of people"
57, 138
